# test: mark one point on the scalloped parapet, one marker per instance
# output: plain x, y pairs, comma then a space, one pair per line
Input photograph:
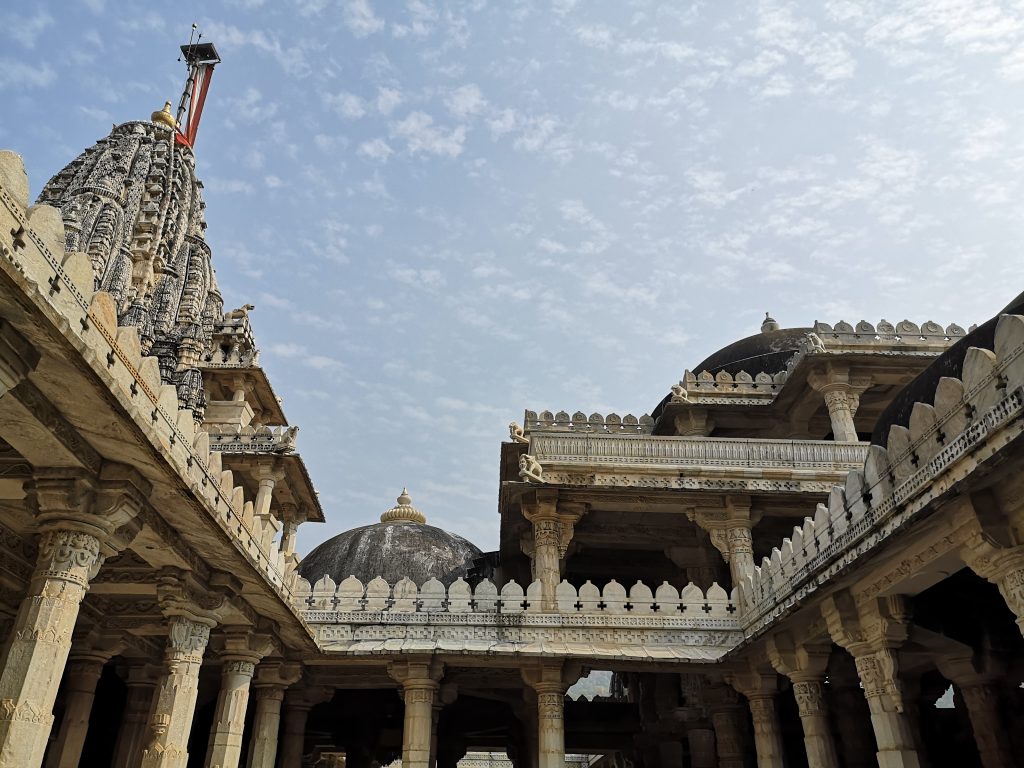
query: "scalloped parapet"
904, 332
235, 438
352, 596
980, 410
612, 423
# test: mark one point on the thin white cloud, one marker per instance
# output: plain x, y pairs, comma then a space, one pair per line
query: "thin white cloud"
360, 18
422, 135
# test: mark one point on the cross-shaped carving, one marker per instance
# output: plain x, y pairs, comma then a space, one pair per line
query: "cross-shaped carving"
54, 284
655, 607
602, 605
706, 608
18, 237
525, 604
628, 606
110, 359
134, 388
730, 608
578, 605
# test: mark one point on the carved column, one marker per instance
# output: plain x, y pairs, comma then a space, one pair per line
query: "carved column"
982, 700
131, 738
760, 689
841, 398
419, 680
81, 677
293, 738
725, 718
871, 632
853, 721
72, 545
730, 532
548, 680
804, 664
701, 738
17, 358
174, 705
553, 523
272, 678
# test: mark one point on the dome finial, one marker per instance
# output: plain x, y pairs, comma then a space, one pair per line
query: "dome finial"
404, 512
164, 117
769, 324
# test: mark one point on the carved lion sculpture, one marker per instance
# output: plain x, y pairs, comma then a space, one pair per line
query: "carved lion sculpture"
530, 469
517, 433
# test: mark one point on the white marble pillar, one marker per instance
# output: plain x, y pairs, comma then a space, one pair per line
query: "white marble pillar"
81, 677
767, 734
225, 746
818, 741
41, 640
174, 704
728, 737
550, 724
419, 682
265, 726
131, 738
982, 701
701, 738
293, 736
893, 735
553, 523
840, 406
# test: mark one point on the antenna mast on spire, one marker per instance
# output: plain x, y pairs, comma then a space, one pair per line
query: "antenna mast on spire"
200, 58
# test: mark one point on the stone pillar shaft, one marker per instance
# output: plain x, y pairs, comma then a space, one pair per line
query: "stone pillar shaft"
982, 700
82, 676
293, 739
265, 725
131, 739
40, 642
741, 551
418, 694
728, 737
840, 412
225, 747
857, 738
546, 537
818, 741
550, 725
175, 701
767, 734
702, 746
893, 734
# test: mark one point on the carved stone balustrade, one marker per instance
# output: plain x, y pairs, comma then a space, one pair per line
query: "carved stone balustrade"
612, 621
595, 423
684, 463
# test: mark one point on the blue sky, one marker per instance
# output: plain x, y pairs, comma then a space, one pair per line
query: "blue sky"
448, 212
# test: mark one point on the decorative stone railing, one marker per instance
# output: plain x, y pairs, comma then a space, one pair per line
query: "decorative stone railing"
62, 282
233, 438
697, 452
762, 387
971, 418
664, 623
906, 332
595, 423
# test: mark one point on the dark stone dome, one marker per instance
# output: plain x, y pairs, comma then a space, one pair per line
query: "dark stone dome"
766, 352
402, 544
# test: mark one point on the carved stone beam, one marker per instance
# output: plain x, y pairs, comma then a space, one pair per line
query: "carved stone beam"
18, 357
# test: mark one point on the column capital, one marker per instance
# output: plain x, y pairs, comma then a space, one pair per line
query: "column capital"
551, 676
418, 673
241, 643
875, 624
274, 673
755, 684
798, 661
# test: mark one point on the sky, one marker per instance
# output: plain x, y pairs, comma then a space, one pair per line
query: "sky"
447, 213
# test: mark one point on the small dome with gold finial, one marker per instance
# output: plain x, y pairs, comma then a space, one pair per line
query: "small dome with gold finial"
401, 544
404, 511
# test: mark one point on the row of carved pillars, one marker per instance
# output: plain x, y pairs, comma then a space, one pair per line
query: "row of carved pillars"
84, 520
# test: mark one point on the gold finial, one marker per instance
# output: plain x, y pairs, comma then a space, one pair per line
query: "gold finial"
164, 117
405, 512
